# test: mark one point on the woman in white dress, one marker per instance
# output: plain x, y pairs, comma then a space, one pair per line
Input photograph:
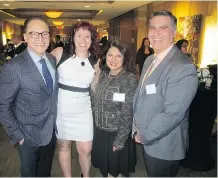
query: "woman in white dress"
74, 117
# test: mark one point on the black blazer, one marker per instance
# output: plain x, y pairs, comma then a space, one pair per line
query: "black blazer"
20, 48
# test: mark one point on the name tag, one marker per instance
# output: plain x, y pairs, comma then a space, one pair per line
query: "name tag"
119, 97
150, 89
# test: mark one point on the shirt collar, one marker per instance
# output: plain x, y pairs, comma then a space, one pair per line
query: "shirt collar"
163, 54
19, 44
35, 57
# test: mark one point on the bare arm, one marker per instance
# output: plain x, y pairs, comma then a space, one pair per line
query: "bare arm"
97, 74
57, 52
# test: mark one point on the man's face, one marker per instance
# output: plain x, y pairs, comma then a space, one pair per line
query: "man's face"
40, 44
161, 33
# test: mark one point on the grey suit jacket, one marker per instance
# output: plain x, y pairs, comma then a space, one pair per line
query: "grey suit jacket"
27, 109
162, 117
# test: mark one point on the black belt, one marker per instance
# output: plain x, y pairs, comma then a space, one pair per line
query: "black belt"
72, 88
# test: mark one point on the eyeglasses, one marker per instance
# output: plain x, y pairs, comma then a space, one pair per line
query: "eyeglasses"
184, 46
35, 35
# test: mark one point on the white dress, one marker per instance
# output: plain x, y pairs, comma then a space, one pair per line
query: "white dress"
74, 116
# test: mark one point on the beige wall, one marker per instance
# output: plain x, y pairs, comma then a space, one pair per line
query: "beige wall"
188, 8
8, 29
141, 24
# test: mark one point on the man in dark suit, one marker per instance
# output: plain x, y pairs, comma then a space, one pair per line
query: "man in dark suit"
161, 102
20, 45
28, 97
58, 42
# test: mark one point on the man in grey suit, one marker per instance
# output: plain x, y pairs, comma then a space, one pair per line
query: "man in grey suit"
161, 103
28, 100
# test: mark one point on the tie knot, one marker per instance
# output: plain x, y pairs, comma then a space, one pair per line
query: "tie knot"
42, 61
154, 60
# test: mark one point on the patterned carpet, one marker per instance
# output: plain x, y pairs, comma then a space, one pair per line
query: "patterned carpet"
9, 163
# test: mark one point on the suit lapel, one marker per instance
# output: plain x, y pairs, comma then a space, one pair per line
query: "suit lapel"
155, 75
33, 70
145, 68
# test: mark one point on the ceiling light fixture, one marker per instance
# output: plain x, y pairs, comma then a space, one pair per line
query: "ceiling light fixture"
60, 27
99, 12
57, 23
6, 4
8, 13
87, 6
53, 14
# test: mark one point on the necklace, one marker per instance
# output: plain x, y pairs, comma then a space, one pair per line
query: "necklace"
82, 63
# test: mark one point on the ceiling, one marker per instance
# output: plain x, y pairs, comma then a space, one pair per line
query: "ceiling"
97, 12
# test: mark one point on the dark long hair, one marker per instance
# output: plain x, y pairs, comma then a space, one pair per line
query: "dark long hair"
143, 43
179, 43
94, 47
142, 48
128, 63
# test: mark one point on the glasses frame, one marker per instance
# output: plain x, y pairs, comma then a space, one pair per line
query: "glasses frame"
39, 34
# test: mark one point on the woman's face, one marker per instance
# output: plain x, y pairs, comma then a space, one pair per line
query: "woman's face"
82, 40
114, 60
147, 43
184, 48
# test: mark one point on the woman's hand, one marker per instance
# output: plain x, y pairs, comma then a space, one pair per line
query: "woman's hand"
114, 148
137, 138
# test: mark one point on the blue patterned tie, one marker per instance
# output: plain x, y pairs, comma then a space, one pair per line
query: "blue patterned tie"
46, 75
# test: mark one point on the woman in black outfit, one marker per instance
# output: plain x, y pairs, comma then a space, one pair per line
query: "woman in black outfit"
113, 149
144, 51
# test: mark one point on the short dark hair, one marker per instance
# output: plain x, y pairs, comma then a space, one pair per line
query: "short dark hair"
16, 36
29, 19
128, 63
165, 13
94, 47
179, 43
57, 37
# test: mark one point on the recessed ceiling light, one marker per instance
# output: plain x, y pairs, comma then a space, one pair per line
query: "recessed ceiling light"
78, 20
87, 6
6, 4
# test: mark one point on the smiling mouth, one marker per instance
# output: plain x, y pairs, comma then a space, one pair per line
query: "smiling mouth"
40, 44
157, 39
82, 45
112, 64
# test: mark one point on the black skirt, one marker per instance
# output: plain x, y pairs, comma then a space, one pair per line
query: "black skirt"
109, 161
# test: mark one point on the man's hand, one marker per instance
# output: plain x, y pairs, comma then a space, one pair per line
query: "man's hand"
21, 142
137, 138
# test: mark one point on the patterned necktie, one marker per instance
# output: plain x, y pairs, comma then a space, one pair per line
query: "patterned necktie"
47, 75
149, 71
151, 67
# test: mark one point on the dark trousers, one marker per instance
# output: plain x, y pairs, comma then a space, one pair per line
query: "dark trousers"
161, 168
36, 161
